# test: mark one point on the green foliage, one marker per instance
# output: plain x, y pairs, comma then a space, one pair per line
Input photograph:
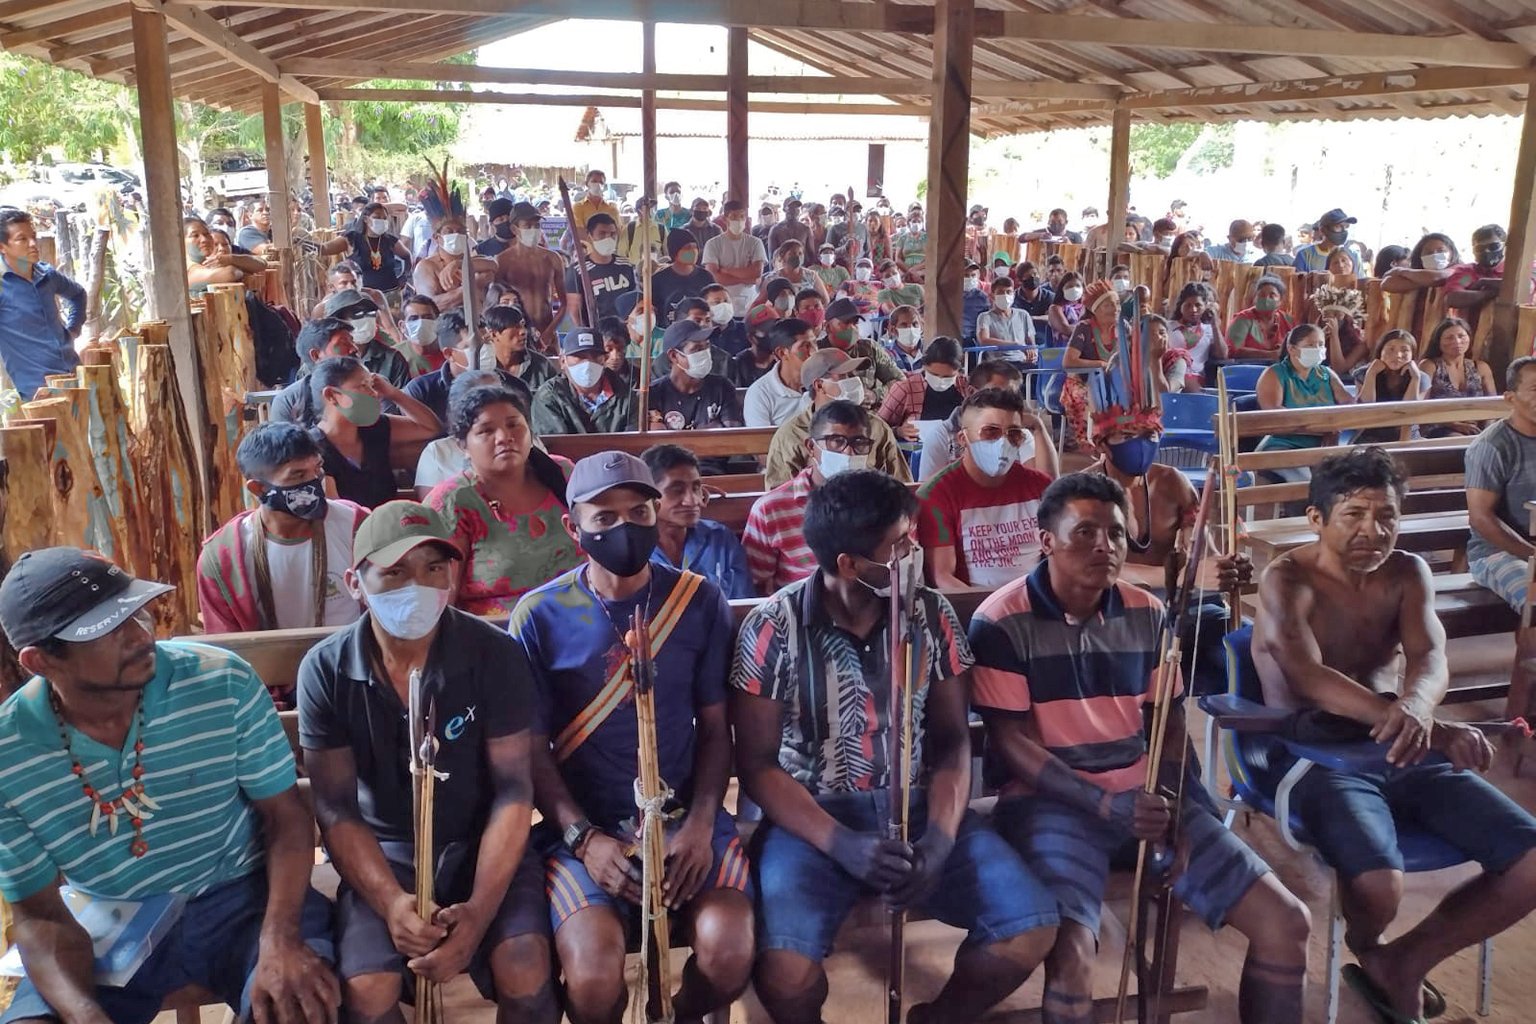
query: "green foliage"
47, 106
1214, 150
389, 126
1156, 149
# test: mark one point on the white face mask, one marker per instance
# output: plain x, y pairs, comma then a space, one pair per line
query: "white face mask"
453, 245
364, 328
1073, 294
1165, 244
1121, 285
1002, 300
852, 389
862, 273
827, 259
1310, 357
736, 225
865, 330
994, 458
698, 364
938, 383
908, 337
833, 463
1436, 260
972, 282
586, 373
999, 272
784, 303
595, 187
910, 567
528, 236
721, 312
378, 225
419, 332
674, 198
605, 246
893, 281
409, 612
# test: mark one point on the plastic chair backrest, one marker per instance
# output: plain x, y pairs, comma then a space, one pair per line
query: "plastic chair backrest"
1190, 411
1242, 681
1242, 376
1051, 358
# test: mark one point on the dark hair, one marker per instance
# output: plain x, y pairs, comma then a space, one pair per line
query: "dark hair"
1268, 279
1491, 231
839, 412
1119, 267
1416, 254
189, 221
220, 209
11, 215
1359, 469
943, 350
611, 328
850, 513
1055, 212
808, 293
272, 446
1389, 255
989, 368
1397, 334
730, 205
1202, 291
663, 458
689, 303
498, 318
451, 322
783, 332
1294, 338
1054, 260
421, 300
1512, 375
332, 373
375, 206
1006, 399
1077, 487
316, 334
597, 220
714, 286
465, 405
1432, 347
1271, 235
776, 287
1163, 225
1000, 283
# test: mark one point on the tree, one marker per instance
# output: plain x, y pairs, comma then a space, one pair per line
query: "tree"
47, 106
1156, 149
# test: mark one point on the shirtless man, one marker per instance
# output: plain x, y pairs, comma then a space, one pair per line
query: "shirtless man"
440, 276
1347, 631
537, 274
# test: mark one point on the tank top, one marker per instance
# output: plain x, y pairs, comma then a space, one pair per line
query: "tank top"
1298, 392
1440, 385
385, 277
370, 483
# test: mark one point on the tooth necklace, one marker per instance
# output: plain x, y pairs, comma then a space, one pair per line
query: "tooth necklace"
132, 803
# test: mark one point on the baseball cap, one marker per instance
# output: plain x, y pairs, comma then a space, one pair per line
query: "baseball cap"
604, 471
349, 303
842, 309
1337, 216
825, 361
525, 211
579, 340
498, 207
395, 529
681, 332
69, 594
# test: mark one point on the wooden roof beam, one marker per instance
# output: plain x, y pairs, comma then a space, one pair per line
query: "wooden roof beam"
57, 30
595, 100
387, 30
194, 22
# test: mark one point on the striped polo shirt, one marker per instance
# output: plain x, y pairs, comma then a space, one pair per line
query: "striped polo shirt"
777, 554
1084, 683
212, 745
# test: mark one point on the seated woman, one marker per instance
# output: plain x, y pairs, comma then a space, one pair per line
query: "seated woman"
1429, 264
1390, 377
206, 264
1341, 263
893, 292
932, 392
1188, 244
1390, 258
1066, 307
1299, 381
1454, 374
1094, 343
443, 458
506, 508
1259, 332
354, 433
1192, 332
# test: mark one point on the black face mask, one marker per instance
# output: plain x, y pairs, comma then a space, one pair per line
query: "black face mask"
504, 232
623, 550
700, 216
304, 501
1491, 256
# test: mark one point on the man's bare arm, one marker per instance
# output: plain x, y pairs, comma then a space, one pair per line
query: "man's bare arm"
1482, 514
1426, 675
57, 955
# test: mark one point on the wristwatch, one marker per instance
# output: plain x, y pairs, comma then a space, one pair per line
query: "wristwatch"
576, 833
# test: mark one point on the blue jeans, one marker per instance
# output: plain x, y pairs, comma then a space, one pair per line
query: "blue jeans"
804, 896
213, 946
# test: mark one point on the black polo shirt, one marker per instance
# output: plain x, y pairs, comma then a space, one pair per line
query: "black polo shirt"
480, 679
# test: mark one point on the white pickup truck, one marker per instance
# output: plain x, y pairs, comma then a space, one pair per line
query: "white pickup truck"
237, 175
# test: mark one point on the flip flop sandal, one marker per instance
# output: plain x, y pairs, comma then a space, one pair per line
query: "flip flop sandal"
1434, 1001
1355, 977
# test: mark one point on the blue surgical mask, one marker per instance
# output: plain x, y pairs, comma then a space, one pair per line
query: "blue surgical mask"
1133, 456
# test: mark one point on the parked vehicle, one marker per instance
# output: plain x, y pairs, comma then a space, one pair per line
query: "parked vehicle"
236, 174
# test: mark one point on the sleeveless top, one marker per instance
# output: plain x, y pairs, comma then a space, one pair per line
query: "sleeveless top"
385, 276
1298, 392
1440, 385
371, 483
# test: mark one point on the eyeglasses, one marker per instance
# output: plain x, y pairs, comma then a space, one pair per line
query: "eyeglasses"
840, 443
1015, 435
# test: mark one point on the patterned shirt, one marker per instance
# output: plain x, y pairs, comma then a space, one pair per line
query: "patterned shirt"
993, 531
776, 551
835, 686
1083, 683
212, 746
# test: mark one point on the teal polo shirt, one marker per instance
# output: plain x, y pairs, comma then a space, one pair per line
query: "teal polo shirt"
213, 744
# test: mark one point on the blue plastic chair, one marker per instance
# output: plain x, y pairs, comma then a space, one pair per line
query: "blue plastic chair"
1189, 421
1242, 377
1244, 700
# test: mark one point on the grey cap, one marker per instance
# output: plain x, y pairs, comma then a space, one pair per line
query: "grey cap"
843, 309
828, 360
524, 211
580, 339
604, 471
349, 301
681, 332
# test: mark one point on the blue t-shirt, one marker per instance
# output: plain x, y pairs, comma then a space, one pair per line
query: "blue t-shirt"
712, 550
574, 646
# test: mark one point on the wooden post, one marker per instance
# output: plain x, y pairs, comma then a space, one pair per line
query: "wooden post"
648, 113
1119, 181
1520, 248
736, 116
30, 523
319, 178
277, 165
949, 151
174, 509
162, 194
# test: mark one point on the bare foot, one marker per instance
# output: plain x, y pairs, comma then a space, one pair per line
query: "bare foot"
1405, 993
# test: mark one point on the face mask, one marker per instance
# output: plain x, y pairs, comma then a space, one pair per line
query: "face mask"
1121, 285
1133, 455
605, 246
1002, 300
827, 259
698, 364
528, 236
793, 262
736, 226
972, 282
1073, 294
453, 245
409, 612
687, 257
1338, 236
893, 281
1266, 305
503, 231
674, 198
623, 550
1240, 249
852, 389
999, 273
1165, 244
994, 458
1437, 260
364, 408
722, 312
906, 568
842, 337
304, 501
908, 337
595, 188
814, 317
862, 273
378, 225
1491, 257
195, 253
784, 303
364, 329
938, 383
421, 332
833, 463
586, 373
1310, 357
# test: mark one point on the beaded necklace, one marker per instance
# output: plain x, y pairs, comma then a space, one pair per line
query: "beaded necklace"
124, 803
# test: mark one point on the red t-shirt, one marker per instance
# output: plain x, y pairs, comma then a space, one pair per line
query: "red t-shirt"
995, 531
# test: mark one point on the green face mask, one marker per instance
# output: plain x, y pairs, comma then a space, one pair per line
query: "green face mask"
363, 408
1266, 305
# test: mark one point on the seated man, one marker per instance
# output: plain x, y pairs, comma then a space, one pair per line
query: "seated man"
686, 395
376, 350
440, 274
686, 539
1067, 663
586, 397
264, 568
317, 340
828, 376
352, 687
778, 394
813, 658
1500, 479
978, 524
940, 448
584, 750
1347, 634
134, 769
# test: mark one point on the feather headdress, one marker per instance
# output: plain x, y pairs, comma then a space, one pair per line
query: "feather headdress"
1123, 395
1341, 302
439, 199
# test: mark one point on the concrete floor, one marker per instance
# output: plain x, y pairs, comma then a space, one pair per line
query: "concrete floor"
857, 969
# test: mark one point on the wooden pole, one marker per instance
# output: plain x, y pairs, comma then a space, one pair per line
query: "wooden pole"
949, 151
30, 522
736, 115
277, 165
162, 195
319, 177
648, 112
1119, 181
1520, 248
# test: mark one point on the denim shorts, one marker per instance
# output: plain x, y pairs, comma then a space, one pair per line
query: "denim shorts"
213, 946
1072, 851
1352, 818
805, 896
